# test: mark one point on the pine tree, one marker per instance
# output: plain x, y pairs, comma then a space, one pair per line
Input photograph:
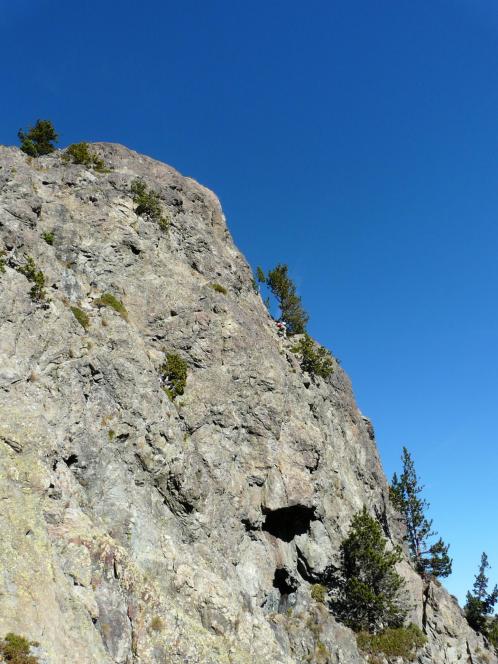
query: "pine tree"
289, 302
316, 360
38, 140
493, 632
404, 492
367, 587
480, 603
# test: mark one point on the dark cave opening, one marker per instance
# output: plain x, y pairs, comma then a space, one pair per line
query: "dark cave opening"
287, 522
286, 586
284, 582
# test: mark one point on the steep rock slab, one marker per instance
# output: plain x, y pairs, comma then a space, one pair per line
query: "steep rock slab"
137, 529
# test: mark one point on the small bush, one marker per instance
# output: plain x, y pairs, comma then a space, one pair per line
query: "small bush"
37, 278
148, 203
315, 359
109, 300
393, 642
318, 592
219, 288
81, 317
15, 649
157, 624
48, 237
79, 153
174, 372
38, 140
2, 262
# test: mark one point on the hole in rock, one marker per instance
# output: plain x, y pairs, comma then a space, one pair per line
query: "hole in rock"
286, 585
71, 460
248, 525
287, 522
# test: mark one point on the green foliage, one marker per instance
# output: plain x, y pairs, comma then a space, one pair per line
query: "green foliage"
437, 562
316, 360
218, 288
48, 236
318, 593
79, 153
404, 493
38, 140
2, 261
367, 586
109, 300
37, 278
289, 302
493, 632
174, 374
393, 642
81, 317
260, 275
322, 653
157, 624
148, 203
480, 603
15, 649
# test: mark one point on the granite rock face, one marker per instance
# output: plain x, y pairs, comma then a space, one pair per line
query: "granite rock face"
136, 529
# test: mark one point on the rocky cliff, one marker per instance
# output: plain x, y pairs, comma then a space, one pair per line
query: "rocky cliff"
136, 529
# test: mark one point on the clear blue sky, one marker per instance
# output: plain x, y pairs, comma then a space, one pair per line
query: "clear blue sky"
358, 142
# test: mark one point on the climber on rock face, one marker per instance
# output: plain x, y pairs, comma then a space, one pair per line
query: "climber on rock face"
282, 328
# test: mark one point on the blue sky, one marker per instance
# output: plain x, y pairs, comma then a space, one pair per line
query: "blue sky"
355, 141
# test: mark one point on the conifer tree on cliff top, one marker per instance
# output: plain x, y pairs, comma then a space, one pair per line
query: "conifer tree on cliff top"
289, 302
480, 603
405, 495
38, 140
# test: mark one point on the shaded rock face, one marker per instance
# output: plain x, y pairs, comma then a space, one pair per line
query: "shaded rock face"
136, 529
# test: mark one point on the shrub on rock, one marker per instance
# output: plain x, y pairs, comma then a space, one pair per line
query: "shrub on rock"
38, 140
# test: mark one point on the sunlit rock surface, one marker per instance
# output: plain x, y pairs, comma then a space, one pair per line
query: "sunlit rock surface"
135, 529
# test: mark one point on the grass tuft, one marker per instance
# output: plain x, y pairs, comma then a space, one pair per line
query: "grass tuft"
219, 288
81, 317
15, 649
109, 300
48, 237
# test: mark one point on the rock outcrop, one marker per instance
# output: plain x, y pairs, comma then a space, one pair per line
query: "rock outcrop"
136, 529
